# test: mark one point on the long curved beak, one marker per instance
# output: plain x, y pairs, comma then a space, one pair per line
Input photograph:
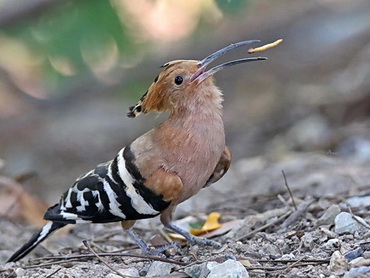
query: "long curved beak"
201, 74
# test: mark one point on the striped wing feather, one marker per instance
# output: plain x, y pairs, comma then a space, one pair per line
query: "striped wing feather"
113, 191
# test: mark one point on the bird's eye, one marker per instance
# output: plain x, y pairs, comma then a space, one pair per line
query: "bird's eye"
178, 80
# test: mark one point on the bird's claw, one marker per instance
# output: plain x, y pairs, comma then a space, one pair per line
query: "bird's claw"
159, 251
204, 242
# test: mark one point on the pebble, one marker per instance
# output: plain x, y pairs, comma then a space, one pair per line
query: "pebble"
129, 271
353, 254
360, 262
289, 256
332, 243
362, 271
358, 201
185, 259
198, 270
366, 255
308, 240
160, 269
125, 272
328, 217
338, 263
229, 269
20, 272
113, 275
345, 224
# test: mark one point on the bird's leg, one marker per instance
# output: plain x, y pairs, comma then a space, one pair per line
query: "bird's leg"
193, 240
145, 247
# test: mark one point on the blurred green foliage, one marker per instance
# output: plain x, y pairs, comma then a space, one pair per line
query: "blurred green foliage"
68, 30
232, 6
73, 36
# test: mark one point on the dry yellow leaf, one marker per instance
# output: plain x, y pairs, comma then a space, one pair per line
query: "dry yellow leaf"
210, 224
245, 262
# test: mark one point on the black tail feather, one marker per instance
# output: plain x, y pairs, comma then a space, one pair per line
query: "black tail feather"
36, 239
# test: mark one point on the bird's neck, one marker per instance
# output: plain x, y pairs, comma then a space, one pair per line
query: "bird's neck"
203, 108
196, 127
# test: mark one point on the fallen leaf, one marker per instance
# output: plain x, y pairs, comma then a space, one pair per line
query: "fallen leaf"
210, 224
17, 203
224, 229
245, 262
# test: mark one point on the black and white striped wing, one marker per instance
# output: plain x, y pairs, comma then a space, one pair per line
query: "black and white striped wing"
113, 191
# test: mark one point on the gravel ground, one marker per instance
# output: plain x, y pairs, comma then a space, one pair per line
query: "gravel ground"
317, 235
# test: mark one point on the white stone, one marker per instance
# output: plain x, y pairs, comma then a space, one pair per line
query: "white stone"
227, 269
125, 272
158, 268
358, 201
328, 217
345, 224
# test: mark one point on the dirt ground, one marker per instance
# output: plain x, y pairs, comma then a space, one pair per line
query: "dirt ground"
266, 231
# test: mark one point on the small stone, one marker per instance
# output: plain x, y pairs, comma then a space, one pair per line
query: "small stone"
185, 259
338, 264
159, 269
20, 272
345, 224
197, 271
113, 275
358, 272
171, 251
144, 270
358, 201
366, 255
353, 254
229, 268
308, 240
328, 233
332, 243
328, 217
360, 262
289, 256
129, 272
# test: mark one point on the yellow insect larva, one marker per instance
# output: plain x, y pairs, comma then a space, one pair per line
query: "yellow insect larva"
264, 47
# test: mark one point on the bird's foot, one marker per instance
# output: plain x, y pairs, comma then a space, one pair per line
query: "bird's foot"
193, 240
146, 249
159, 251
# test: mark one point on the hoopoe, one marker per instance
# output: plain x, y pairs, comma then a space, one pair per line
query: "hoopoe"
163, 167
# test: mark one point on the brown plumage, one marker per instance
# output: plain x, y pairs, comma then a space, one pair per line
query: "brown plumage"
163, 167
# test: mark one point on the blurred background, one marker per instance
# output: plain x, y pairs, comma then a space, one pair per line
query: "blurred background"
69, 70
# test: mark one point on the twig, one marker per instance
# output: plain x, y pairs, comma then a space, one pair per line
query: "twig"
165, 235
51, 274
190, 264
290, 266
318, 261
358, 219
147, 257
289, 191
276, 268
295, 215
86, 243
52, 263
264, 226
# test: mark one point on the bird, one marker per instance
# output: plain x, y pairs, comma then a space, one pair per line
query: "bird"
161, 168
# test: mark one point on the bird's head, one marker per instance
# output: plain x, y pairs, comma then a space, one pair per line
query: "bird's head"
183, 79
